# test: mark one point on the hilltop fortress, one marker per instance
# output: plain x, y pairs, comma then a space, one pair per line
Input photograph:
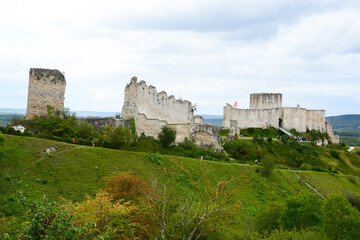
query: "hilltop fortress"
266, 110
152, 110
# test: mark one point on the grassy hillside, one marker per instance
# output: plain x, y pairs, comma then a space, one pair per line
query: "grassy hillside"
73, 171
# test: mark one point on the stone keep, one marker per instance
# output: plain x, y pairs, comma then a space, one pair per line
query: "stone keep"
265, 100
46, 87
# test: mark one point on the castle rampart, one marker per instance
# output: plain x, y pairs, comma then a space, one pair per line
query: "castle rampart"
277, 116
46, 87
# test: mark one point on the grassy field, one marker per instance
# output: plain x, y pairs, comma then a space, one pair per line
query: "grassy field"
73, 171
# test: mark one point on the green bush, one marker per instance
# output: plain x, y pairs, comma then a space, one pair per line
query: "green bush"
243, 150
45, 221
335, 154
268, 166
269, 218
156, 158
341, 220
85, 130
120, 138
301, 212
132, 126
305, 166
167, 136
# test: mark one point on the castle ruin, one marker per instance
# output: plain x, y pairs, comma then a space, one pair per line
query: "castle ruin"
152, 110
266, 111
46, 87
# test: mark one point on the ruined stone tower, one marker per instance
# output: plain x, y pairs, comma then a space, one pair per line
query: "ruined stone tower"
46, 87
265, 100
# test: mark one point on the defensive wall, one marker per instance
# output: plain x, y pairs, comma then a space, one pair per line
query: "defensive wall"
46, 87
277, 116
152, 110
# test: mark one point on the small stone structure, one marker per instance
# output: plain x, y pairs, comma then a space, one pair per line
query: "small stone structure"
266, 110
46, 87
152, 110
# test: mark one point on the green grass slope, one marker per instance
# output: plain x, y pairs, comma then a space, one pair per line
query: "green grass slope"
73, 171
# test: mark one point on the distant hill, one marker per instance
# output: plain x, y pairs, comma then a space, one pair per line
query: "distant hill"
350, 121
347, 127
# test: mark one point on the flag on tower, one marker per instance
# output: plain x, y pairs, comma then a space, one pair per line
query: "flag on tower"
235, 104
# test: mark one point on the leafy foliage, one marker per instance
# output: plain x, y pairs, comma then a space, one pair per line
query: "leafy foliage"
301, 212
268, 166
269, 218
156, 158
45, 221
167, 136
341, 220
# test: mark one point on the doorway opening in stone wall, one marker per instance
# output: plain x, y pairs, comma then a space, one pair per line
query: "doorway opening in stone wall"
280, 123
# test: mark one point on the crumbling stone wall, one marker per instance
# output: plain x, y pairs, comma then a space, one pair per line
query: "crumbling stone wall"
100, 122
46, 87
204, 134
277, 116
152, 110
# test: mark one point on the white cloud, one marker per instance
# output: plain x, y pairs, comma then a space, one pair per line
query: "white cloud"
209, 52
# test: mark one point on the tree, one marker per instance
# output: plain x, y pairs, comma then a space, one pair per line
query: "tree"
119, 137
269, 218
85, 130
301, 212
341, 220
167, 136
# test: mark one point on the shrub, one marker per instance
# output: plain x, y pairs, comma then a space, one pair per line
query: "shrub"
167, 136
45, 221
85, 130
269, 218
243, 150
120, 137
341, 220
305, 166
259, 139
301, 212
268, 166
156, 158
132, 126
335, 154
125, 186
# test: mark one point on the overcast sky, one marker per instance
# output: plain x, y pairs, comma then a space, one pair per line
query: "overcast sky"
207, 52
